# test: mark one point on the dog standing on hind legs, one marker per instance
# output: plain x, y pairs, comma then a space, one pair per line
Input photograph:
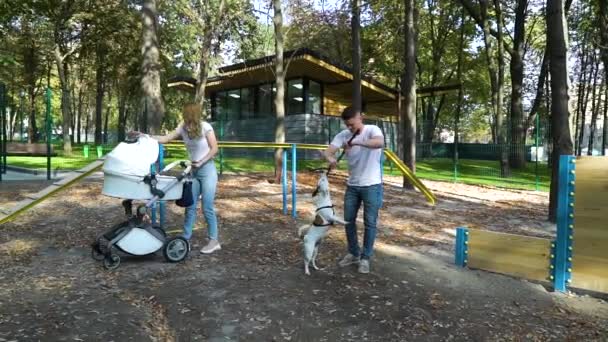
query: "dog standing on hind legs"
325, 217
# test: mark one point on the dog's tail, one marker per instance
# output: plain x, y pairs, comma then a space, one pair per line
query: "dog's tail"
303, 230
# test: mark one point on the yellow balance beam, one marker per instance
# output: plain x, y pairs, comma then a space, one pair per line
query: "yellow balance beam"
56, 187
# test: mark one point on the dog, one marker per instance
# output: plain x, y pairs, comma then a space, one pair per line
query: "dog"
313, 234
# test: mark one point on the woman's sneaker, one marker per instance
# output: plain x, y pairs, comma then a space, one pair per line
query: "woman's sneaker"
348, 260
364, 266
211, 247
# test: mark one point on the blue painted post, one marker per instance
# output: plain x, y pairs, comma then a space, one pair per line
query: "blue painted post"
161, 165
153, 207
382, 166
294, 157
284, 181
561, 256
462, 246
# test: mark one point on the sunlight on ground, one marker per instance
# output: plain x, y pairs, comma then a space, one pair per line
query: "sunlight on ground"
20, 248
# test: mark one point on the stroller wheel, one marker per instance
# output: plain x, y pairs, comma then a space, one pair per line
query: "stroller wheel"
111, 262
96, 252
176, 249
160, 230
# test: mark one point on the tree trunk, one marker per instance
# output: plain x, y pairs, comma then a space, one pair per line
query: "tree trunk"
100, 80
107, 118
562, 140
518, 125
73, 116
356, 55
408, 121
595, 104
496, 79
150, 81
62, 70
582, 82
279, 100
460, 94
86, 125
210, 44
122, 115
32, 129
603, 19
585, 101
79, 119
605, 135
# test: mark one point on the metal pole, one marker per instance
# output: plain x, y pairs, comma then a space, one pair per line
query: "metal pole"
161, 165
221, 149
153, 206
48, 133
536, 144
2, 149
284, 182
21, 118
294, 159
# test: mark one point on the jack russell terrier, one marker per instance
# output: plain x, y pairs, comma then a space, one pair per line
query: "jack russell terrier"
313, 234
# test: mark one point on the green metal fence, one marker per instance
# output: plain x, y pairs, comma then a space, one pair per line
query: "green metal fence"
474, 158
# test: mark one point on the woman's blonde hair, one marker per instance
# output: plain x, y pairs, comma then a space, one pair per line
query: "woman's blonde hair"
192, 120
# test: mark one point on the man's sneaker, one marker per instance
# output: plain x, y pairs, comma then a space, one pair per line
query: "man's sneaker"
211, 247
364, 266
348, 260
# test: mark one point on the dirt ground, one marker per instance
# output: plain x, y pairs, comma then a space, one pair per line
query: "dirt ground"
254, 289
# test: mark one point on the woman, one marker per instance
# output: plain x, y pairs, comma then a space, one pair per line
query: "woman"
201, 145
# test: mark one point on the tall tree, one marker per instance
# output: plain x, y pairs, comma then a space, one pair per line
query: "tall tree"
279, 100
603, 24
408, 119
557, 45
595, 109
356, 37
518, 124
495, 61
100, 78
151, 67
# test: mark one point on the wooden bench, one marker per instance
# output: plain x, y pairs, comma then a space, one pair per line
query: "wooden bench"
21, 149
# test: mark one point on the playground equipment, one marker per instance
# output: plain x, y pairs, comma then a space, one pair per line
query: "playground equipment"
289, 150
578, 256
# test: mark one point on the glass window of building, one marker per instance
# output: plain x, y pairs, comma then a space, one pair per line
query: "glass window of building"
220, 106
233, 104
265, 100
313, 105
295, 97
247, 103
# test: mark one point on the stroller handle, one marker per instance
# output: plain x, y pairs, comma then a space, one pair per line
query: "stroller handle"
184, 163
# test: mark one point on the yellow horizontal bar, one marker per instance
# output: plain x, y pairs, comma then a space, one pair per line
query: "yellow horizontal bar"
389, 154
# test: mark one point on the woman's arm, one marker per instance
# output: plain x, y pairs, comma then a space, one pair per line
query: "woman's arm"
213, 148
163, 139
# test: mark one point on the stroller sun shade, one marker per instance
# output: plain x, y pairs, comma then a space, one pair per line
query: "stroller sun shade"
132, 158
126, 166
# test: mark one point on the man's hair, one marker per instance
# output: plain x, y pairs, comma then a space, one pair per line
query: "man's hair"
349, 113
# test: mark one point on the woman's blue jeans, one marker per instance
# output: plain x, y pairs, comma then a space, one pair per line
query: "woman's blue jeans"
204, 183
371, 197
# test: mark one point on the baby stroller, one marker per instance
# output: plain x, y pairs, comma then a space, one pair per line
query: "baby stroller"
127, 175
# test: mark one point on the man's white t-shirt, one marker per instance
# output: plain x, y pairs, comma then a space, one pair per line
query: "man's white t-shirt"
363, 163
197, 148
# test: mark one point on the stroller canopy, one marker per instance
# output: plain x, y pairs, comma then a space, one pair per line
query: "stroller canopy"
132, 158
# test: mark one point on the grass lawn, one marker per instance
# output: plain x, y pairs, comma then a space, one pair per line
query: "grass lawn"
482, 172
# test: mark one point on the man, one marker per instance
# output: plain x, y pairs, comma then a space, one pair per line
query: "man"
363, 148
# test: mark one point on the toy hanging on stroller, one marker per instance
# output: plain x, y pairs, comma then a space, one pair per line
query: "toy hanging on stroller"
127, 175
